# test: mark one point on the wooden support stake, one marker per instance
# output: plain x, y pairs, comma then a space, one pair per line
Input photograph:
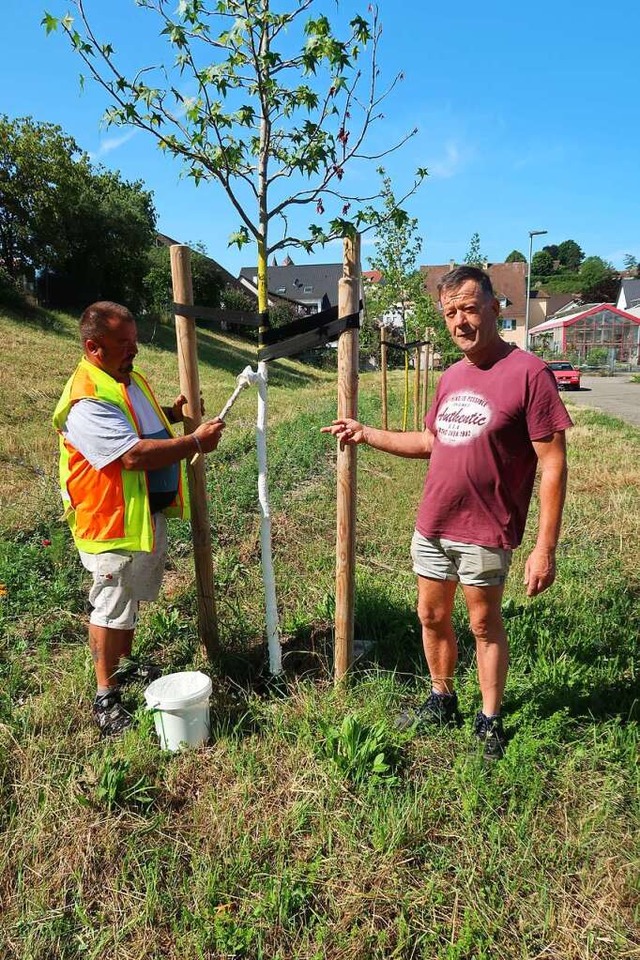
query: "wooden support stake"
425, 385
348, 303
383, 368
190, 387
416, 388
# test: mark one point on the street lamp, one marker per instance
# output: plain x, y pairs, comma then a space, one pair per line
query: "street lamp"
532, 234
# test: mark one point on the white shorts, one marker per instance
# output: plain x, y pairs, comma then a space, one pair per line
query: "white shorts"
466, 563
122, 578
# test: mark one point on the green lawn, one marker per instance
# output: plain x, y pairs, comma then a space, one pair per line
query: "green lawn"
310, 828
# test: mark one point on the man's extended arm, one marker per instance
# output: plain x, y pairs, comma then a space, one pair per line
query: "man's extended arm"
416, 445
155, 454
540, 568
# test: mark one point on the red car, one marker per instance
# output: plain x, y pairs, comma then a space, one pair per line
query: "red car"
567, 376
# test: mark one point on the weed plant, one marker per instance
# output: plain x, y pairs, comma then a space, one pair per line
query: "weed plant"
310, 827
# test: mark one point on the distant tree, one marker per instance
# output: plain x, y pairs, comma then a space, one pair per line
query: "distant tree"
552, 250
570, 255
631, 263
598, 281
39, 166
474, 256
208, 283
541, 264
107, 228
12, 294
516, 257
86, 230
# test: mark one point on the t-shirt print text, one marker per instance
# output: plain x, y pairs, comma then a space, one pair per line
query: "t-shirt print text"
462, 417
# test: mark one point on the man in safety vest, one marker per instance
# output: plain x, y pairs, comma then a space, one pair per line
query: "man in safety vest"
122, 473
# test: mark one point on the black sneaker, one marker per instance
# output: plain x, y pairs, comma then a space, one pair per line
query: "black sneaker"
132, 671
438, 710
490, 732
110, 715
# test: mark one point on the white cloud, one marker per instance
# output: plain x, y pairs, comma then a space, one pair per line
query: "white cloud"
110, 144
448, 165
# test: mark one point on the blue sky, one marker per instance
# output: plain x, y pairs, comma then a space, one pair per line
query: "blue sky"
528, 119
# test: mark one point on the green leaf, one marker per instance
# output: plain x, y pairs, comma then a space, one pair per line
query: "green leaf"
50, 23
239, 239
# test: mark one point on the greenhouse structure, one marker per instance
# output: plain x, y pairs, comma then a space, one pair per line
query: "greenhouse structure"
600, 327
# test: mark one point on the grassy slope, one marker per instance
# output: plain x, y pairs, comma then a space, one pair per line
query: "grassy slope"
281, 839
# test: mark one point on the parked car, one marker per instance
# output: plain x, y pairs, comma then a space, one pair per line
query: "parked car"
567, 376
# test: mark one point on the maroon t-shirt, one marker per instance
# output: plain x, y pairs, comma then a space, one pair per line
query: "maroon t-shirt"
483, 464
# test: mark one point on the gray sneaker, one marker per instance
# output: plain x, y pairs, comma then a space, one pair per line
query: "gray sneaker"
490, 732
438, 710
110, 715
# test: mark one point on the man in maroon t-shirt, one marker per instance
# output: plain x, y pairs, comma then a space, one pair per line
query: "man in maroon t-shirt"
495, 418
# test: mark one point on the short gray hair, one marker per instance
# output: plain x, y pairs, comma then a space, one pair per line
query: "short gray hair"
455, 278
94, 321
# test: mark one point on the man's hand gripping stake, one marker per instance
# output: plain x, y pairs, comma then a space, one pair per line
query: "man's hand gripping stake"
244, 379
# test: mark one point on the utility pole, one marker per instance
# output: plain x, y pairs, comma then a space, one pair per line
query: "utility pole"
532, 234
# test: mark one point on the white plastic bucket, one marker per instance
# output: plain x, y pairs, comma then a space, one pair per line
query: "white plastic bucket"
180, 702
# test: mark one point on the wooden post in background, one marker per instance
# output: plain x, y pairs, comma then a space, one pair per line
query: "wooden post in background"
416, 388
348, 304
190, 387
383, 369
425, 386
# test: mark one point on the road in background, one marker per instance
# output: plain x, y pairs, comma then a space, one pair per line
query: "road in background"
615, 395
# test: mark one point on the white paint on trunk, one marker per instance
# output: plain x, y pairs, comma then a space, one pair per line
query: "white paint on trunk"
271, 608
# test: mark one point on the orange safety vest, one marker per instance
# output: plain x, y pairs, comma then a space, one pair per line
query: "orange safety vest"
109, 509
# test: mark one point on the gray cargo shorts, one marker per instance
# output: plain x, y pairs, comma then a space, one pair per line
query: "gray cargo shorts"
122, 578
466, 563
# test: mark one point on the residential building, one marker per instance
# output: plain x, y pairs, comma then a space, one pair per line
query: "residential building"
314, 285
543, 305
629, 296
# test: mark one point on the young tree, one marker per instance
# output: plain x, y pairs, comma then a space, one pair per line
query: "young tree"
474, 256
401, 292
278, 107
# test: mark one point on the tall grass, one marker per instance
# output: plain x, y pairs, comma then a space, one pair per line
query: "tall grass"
310, 827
